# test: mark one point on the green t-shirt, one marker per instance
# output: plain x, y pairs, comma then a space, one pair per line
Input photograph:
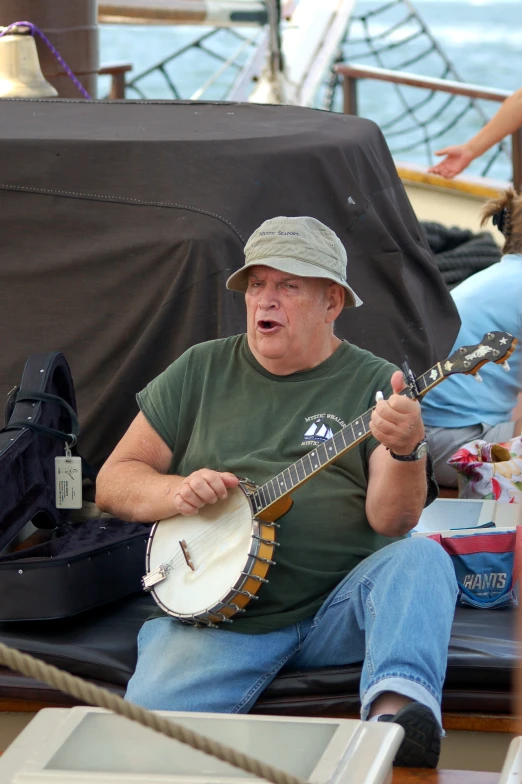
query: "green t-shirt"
217, 407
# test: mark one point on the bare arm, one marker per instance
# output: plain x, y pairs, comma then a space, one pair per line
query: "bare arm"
396, 490
504, 122
134, 485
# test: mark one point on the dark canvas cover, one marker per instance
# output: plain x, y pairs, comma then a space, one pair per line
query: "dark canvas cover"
120, 222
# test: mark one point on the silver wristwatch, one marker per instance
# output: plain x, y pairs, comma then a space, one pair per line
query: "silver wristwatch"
421, 450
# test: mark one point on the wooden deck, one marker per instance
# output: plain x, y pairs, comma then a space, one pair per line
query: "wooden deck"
411, 775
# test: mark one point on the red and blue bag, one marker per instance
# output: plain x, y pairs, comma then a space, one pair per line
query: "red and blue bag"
487, 566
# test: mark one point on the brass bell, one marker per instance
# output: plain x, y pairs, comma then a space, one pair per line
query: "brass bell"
20, 72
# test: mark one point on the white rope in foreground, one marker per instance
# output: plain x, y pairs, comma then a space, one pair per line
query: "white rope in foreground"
102, 698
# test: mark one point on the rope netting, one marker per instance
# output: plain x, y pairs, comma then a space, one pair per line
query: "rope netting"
204, 66
415, 121
210, 63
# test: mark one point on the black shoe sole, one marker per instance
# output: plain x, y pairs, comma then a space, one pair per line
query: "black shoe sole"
421, 745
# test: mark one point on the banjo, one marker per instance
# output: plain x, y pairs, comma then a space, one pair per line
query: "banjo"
204, 569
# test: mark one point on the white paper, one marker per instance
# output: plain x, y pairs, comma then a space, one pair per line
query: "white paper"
68, 476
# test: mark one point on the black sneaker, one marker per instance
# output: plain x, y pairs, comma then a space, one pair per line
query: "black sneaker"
421, 745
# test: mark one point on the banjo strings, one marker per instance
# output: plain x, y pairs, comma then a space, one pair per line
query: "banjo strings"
198, 547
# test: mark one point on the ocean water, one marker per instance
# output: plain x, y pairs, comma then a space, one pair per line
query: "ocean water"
482, 39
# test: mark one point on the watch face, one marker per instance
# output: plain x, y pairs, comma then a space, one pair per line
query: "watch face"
422, 450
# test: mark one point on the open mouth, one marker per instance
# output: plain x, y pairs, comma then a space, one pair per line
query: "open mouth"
267, 326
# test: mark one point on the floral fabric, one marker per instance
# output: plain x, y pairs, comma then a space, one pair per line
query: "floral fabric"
490, 471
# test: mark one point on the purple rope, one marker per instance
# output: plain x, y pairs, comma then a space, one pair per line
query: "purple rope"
34, 30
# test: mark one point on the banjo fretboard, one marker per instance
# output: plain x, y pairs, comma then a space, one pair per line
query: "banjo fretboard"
325, 453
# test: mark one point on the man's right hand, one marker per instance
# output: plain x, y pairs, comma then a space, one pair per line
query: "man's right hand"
202, 487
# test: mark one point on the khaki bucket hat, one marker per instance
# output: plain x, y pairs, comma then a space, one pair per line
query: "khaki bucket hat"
300, 246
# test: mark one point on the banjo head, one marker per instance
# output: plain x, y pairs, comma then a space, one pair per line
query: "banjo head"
217, 541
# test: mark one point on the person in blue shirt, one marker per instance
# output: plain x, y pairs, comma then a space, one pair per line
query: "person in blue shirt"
460, 410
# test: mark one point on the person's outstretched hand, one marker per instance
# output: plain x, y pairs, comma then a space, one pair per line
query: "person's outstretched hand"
457, 158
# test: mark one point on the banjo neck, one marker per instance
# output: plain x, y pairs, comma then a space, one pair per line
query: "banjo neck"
271, 500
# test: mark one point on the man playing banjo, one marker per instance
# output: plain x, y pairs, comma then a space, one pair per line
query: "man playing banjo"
346, 587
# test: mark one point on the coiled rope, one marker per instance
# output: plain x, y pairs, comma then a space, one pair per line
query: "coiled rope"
95, 695
460, 253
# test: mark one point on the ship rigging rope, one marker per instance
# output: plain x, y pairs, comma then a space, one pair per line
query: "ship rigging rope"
95, 695
394, 32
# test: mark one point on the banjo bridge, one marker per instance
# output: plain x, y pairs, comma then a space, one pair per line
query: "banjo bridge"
185, 551
156, 576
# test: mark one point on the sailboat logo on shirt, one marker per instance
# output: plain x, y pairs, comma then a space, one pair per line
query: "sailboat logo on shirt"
318, 431
320, 427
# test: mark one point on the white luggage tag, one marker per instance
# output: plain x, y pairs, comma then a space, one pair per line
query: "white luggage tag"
68, 479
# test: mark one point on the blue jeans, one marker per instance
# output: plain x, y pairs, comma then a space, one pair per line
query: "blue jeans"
394, 611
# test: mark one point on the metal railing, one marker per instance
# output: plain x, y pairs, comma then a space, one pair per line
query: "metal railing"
351, 74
